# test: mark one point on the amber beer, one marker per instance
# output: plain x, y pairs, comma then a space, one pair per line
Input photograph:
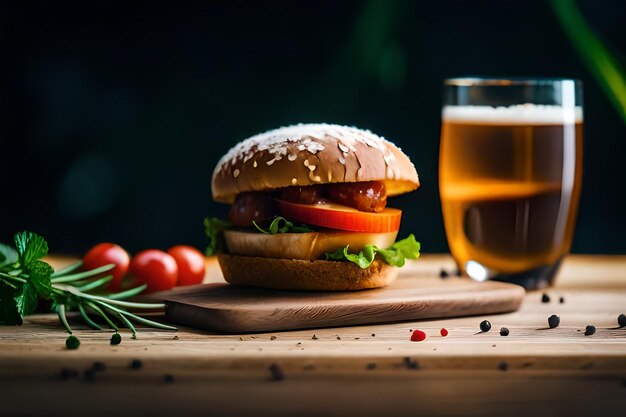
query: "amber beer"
510, 180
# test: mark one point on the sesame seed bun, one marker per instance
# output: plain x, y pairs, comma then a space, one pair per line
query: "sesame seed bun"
309, 154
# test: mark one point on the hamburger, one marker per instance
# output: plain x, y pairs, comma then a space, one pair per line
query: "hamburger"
308, 209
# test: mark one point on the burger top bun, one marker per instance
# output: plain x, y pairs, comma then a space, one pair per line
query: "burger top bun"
309, 154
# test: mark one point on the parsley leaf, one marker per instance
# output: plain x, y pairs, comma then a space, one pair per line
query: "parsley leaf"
9, 313
26, 301
213, 228
25, 278
396, 255
39, 274
8, 255
30, 247
282, 225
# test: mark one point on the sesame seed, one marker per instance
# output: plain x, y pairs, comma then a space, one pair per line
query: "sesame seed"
236, 173
306, 162
292, 156
312, 167
254, 164
294, 181
342, 160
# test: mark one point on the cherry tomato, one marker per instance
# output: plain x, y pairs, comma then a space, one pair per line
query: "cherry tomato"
108, 253
155, 268
191, 264
335, 216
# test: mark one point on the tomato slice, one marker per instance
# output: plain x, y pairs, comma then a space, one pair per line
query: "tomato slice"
336, 216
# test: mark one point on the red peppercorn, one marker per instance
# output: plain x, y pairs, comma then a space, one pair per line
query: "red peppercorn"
444, 332
418, 336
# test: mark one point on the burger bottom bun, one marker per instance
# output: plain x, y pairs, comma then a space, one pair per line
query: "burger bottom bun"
296, 274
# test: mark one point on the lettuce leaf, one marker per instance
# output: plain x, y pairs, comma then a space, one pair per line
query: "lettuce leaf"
396, 255
213, 228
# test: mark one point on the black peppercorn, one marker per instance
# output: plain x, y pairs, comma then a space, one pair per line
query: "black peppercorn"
68, 373
277, 372
485, 326
116, 339
503, 366
554, 321
411, 363
443, 274
168, 378
545, 298
89, 375
72, 342
99, 366
590, 329
561, 300
621, 320
136, 364
504, 331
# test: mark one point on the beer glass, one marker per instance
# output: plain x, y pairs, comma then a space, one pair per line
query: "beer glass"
510, 168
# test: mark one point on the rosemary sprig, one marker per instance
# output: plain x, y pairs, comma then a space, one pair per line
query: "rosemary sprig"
81, 275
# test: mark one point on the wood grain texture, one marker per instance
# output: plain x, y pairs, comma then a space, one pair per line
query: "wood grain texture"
233, 309
359, 370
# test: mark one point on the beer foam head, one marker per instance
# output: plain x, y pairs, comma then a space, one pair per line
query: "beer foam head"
523, 114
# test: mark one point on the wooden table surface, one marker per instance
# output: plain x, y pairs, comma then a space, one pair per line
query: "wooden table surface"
363, 370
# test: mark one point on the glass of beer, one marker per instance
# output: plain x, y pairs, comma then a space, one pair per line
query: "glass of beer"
510, 169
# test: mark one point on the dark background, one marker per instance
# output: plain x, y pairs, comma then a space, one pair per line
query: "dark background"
113, 115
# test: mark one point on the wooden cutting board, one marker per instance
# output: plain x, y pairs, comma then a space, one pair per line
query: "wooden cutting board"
232, 309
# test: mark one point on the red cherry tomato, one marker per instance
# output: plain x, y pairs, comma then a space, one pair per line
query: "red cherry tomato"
191, 264
108, 253
336, 216
155, 268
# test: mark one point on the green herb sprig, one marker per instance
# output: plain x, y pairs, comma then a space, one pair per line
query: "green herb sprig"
213, 228
25, 279
396, 255
282, 225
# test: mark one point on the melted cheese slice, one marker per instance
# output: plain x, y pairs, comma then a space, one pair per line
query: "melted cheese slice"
308, 246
